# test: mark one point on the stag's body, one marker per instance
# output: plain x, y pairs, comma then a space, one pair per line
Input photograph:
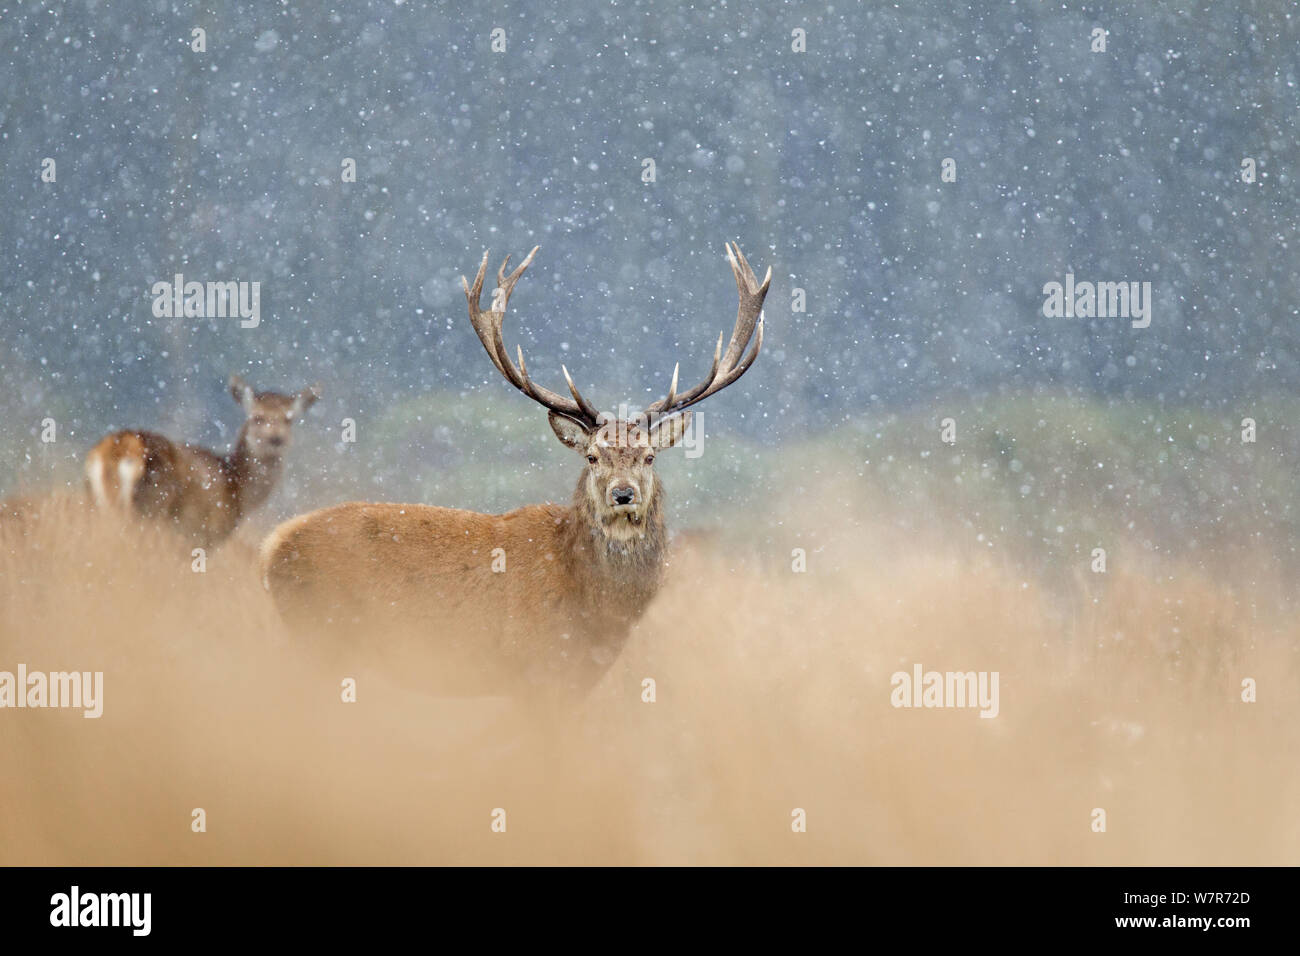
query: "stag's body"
541, 599
205, 495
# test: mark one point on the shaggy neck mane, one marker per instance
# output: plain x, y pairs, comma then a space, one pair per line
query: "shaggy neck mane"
618, 574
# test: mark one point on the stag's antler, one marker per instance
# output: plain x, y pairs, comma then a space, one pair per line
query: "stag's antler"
726, 367
487, 323
729, 367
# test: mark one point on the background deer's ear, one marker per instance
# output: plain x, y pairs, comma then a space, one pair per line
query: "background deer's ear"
668, 431
574, 434
241, 392
306, 399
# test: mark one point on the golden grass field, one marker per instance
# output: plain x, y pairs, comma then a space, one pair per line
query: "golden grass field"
1120, 691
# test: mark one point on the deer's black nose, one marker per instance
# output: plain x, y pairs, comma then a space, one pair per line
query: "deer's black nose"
276, 441
624, 495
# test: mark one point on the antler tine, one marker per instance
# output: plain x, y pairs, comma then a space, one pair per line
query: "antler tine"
672, 389
487, 325
743, 366
587, 408
506, 283
528, 386
729, 367
669, 404
751, 303
483, 321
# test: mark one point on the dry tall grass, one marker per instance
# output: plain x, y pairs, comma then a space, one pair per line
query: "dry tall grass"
772, 693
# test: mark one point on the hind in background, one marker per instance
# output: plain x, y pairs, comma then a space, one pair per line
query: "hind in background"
204, 494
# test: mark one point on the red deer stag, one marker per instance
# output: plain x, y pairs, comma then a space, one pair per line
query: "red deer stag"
540, 599
203, 493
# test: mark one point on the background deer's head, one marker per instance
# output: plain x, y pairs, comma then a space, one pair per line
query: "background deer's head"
269, 417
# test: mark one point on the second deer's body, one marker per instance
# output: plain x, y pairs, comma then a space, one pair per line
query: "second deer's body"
204, 495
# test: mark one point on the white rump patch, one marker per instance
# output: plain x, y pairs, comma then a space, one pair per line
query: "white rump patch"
129, 471
95, 477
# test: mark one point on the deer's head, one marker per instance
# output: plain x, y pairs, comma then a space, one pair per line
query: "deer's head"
270, 416
619, 480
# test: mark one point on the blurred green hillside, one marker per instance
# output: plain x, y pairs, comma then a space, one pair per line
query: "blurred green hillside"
1039, 479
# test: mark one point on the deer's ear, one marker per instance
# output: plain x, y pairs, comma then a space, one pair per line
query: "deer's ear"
306, 399
572, 433
668, 431
241, 392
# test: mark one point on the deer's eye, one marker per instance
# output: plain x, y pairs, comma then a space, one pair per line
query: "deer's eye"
591, 459
649, 459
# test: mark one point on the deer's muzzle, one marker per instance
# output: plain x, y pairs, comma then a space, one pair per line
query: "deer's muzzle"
622, 496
